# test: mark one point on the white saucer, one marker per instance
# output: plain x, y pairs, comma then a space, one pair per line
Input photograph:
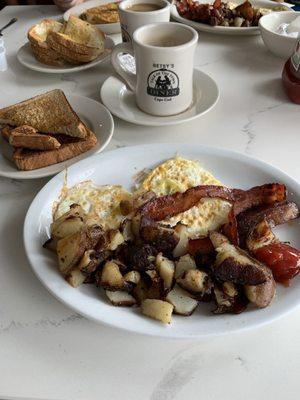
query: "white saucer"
26, 58
121, 101
92, 113
77, 10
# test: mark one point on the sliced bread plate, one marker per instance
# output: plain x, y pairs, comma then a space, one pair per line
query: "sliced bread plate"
118, 167
223, 30
80, 8
26, 58
92, 113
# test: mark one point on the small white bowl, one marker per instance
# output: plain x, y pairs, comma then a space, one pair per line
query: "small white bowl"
279, 45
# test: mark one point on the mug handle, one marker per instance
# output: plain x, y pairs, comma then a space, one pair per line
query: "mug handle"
129, 77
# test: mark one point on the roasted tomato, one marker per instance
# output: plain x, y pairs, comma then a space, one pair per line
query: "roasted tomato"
282, 259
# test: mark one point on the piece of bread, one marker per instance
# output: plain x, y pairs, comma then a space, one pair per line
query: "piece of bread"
28, 160
5, 133
48, 57
38, 33
78, 39
105, 14
27, 137
47, 113
68, 55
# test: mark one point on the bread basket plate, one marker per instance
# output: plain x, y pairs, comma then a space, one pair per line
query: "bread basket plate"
26, 58
223, 30
118, 167
77, 10
91, 112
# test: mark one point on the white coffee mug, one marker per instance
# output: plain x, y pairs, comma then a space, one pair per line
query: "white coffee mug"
164, 57
131, 20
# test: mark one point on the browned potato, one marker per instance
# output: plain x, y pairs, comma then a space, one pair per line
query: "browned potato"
119, 298
181, 247
88, 262
75, 277
184, 263
157, 309
50, 244
140, 291
132, 277
70, 249
111, 277
110, 240
68, 223
182, 301
193, 281
166, 269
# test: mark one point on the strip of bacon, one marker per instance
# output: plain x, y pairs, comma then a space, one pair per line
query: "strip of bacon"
164, 207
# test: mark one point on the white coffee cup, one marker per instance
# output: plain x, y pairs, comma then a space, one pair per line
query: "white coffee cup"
164, 57
131, 20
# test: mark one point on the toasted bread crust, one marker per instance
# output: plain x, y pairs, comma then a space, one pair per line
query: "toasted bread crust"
5, 132
71, 56
103, 17
65, 46
37, 34
28, 138
48, 113
28, 160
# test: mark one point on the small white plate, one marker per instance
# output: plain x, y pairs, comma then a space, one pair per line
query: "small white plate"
118, 167
223, 30
92, 113
121, 101
26, 58
77, 10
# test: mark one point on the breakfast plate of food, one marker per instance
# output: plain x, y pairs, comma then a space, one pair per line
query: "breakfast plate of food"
238, 17
100, 13
121, 102
171, 240
55, 47
43, 135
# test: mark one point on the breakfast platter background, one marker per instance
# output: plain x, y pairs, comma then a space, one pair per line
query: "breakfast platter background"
47, 351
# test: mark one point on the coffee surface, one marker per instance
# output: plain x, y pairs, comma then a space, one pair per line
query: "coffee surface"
144, 7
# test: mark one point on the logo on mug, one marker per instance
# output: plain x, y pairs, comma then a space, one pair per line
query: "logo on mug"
163, 83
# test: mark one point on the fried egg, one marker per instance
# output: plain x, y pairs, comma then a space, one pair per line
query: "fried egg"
178, 175
101, 203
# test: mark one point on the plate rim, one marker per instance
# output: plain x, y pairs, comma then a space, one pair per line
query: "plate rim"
60, 70
18, 174
158, 121
165, 333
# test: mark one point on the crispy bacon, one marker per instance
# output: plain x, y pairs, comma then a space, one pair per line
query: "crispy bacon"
164, 207
276, 214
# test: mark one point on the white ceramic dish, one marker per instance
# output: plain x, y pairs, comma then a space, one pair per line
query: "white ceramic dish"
222, 30
281, 46
26, 58
121, 102
92, 113
118, 167
77, 10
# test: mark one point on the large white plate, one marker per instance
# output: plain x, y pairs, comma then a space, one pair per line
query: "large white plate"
222, 30
92, 113
121, 101
118, 167
77, 10
26, 58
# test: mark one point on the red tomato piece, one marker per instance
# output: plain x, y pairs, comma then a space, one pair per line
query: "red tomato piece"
282, 259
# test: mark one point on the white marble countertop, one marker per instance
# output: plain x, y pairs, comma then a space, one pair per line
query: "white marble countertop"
47, 351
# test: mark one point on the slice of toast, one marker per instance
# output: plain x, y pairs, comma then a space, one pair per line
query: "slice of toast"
47, 113
27, 137
48, 57
28, 160
79, 41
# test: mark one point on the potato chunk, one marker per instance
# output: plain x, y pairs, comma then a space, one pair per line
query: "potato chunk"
70, 250
111, 277
194, 281
182, 301
75, 277
166, 269
68, 223
184, 263
157, 309
119, 298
